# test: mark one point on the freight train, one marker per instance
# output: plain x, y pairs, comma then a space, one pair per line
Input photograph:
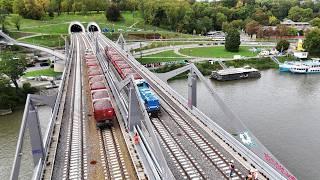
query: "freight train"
103, 110
151, 101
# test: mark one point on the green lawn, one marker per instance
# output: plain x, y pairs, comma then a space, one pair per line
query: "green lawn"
60, 24
45, 40
157, 44
42, 72
170, 53
164, 56
217, 52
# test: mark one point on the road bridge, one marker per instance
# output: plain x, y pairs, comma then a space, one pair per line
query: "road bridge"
181, 143
10, 41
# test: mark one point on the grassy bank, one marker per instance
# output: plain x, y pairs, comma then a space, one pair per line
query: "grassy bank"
42, 72
206, 68
45, 40
60, 24
157, 44
164, 56
217, 52
258, 63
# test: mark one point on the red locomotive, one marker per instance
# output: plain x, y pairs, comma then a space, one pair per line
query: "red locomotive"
104, 113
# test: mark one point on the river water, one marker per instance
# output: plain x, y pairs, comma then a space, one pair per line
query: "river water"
281, 109
9, 132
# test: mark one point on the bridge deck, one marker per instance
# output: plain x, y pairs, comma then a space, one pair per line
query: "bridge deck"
95, 148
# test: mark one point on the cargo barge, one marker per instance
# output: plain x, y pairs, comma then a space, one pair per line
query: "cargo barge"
235, 74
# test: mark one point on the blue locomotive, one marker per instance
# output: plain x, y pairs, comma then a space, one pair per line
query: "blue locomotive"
151, 101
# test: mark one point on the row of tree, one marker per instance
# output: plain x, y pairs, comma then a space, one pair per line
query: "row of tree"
12, 67
190, 16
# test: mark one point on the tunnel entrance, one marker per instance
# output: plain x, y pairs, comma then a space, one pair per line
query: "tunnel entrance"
93, 28
76, 28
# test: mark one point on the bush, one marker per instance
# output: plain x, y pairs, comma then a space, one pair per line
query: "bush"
113, 13
282, 45
28, 89
232, 40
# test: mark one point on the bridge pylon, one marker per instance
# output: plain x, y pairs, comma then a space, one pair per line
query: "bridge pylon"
122, 42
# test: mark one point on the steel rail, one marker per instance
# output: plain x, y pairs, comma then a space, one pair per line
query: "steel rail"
261, 165
175, 152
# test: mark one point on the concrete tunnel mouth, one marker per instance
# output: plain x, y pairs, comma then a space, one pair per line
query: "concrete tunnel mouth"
76, 27
93, 27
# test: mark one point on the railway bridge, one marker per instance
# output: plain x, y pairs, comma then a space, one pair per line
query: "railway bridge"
180, 143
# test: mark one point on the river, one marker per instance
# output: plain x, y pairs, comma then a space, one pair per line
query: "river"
281, 109
9, 132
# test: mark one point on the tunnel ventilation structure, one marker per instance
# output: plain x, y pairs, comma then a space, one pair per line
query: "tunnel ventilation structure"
75, 27
93, 27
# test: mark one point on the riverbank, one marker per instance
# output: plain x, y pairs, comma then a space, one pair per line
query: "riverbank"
206, 68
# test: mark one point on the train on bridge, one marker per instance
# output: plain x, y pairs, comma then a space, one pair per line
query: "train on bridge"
151, 101
104, 113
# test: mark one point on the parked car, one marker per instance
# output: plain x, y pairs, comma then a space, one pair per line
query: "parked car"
44, 64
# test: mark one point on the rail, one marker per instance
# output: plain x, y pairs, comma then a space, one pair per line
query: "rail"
261, 165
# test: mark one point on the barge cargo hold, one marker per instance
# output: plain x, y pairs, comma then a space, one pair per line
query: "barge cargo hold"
235, 74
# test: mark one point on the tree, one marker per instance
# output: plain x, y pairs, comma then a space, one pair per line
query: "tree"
252, 27
282, 45
316, 22
8, 97
44, 4
13, 66
226, 26
238, 24
280, 8
312, 41
3, 19
113, 13
6, 5
16, 20
273, 20
299, 14
292, 31
232, 40
282, 30
261, 17
229, 3
220, 18
29, 9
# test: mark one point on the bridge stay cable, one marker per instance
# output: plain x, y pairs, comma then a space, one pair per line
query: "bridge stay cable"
244, 142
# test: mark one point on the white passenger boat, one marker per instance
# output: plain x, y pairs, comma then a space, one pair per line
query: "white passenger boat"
307, 67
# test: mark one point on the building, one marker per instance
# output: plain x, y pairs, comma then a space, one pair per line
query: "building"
298, 25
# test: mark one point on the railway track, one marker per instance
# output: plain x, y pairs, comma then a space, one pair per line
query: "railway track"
207, 150
114, 162
196, 141
112, 158
75, 155
185, 163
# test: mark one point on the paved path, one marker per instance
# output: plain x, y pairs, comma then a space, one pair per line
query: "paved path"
12, 41
166, 48
30, 36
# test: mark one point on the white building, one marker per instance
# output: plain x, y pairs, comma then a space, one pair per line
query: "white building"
297, 25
